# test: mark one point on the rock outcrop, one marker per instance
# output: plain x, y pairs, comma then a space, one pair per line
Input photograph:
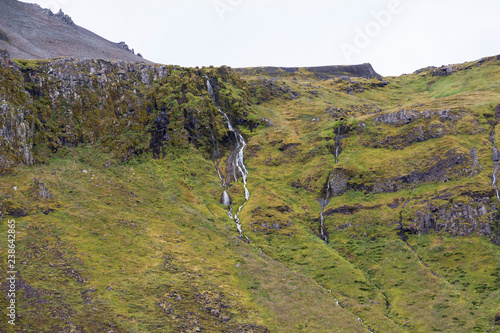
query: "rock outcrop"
403, 117
459, 217
337, 182
267, 89
453, 164
443, 71
68, 102
64, 18
322, 72
414, 126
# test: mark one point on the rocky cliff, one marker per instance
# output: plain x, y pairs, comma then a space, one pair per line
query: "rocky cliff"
322, 72
130, 108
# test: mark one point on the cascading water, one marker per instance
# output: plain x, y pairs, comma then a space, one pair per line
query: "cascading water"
324, 201
235, 162
495, 157
338, 145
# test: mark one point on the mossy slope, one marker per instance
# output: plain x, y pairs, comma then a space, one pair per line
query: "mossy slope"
132, 237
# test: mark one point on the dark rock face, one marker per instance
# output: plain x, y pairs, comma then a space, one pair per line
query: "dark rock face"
338, 181
453, 164
113, 103
159, 134
350, 210
124, 46
268, 89
64, 18
323, 72
16, 126
478, 216
59, 79
443, 71
17, 212
421, 126
364, 70
412, 135
403, 117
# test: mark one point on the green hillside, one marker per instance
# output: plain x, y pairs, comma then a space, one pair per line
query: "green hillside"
109, 171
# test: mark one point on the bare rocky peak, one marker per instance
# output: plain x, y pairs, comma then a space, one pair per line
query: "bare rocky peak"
60, 15
28, 31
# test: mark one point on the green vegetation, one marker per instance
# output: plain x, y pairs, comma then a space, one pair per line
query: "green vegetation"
120, 226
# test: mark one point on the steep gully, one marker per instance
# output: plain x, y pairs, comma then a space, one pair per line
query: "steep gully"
327, 195
235, 165
495, 157
324, 201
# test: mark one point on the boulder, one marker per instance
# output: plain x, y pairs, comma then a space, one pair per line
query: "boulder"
443, 71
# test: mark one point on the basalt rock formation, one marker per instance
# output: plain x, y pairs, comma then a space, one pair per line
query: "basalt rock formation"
322, 72
70, 102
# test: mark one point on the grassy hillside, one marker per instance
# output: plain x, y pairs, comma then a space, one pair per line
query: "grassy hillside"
120, 226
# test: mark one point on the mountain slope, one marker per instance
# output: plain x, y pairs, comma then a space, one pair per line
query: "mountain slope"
30, 32
109, 170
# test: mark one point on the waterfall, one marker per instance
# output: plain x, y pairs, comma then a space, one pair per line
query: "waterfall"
225, 199
495, 157
338, 146
495, 173
235, 159
324, 201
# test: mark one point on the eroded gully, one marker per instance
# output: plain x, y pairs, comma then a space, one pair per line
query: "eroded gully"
235, 166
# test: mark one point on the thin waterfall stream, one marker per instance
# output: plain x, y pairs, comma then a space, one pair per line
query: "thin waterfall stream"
324, 200
326, 196
338, 146
235, 163
495, 157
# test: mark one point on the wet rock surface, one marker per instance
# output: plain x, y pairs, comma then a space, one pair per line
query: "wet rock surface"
338, 182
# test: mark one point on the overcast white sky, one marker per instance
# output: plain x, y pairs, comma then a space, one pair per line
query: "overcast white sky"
395, 36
